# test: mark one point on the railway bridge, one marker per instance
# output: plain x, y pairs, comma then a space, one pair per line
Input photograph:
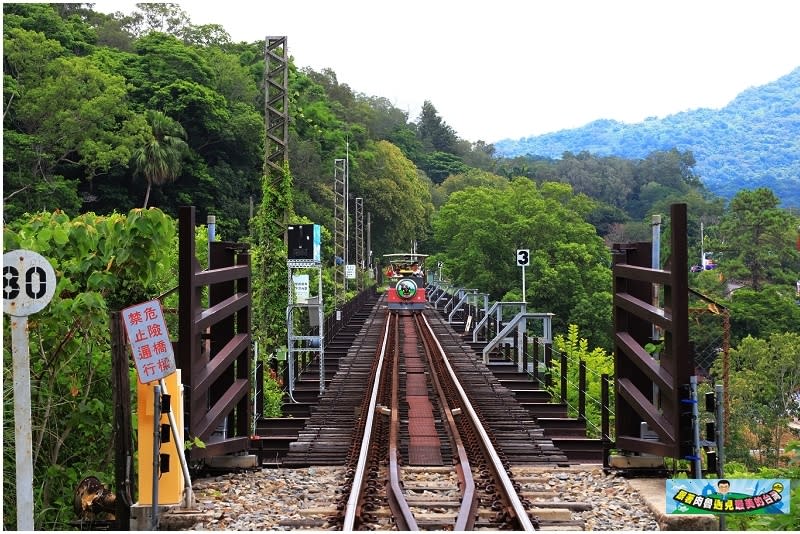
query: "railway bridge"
512, 387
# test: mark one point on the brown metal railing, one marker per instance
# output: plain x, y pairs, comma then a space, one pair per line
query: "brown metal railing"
214, 342
637, 371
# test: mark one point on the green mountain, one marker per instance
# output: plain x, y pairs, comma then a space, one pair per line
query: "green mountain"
752, 142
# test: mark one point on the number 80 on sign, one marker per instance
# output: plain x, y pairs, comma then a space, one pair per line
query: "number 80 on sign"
29, 282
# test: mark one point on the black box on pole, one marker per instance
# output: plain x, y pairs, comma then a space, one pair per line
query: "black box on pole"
304, 242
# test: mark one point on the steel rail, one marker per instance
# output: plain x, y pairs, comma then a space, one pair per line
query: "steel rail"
401, 511
514, 501
351, 509
465, 520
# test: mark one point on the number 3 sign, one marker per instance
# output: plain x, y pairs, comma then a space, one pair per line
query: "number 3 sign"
523, 257
29, 282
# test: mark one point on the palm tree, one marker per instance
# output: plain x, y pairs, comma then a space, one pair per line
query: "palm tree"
161, 157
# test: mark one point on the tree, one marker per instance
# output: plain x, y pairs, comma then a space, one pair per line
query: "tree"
772, 310
757, 239
459, 182
395, 194
157, 17
479, 228
66, 120
159, 160
439, 165
434, 132
764, 379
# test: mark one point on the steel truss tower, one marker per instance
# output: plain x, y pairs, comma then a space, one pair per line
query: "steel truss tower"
359, 241
276, 105
340, 229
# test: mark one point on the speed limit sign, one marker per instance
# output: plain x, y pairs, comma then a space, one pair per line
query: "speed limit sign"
523, 257
29, 282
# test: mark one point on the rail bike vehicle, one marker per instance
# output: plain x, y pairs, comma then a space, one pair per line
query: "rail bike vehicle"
405, 274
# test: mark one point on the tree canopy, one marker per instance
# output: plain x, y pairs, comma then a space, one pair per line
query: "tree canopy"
479, 229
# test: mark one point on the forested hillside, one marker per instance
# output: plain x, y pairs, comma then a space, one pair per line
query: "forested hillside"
752, 142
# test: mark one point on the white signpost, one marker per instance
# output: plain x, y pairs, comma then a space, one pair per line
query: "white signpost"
523, 260
29, 282
350, 271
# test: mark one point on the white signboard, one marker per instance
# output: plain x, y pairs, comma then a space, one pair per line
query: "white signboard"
523, 257
350, 272
29, 282
149, 339
301, 287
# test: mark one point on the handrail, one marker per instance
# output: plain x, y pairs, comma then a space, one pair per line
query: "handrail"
457, 307
521, 317
497, 306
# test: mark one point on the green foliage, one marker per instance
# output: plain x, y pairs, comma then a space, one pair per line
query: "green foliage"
273, 395
269, 260
64, 115
102, 264
598, 362
757, 240
439, 165
395, 195
479, 228
772, 310
763, 383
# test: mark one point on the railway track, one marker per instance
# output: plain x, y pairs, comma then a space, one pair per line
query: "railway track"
402, 455
418, 418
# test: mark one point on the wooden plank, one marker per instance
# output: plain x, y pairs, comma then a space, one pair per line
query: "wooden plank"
220, 363
223, 274
643, 310
647, 363
642, 274
221, 448
219, 311
205, 426
659, 448
645, 408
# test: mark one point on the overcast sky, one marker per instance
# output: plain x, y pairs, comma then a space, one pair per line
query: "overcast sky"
501, 69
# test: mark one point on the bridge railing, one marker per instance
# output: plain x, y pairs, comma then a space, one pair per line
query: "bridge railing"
214, 342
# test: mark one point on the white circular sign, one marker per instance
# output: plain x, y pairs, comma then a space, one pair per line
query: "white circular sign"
29, 282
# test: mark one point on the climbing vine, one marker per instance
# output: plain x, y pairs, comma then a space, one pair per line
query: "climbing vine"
269, 261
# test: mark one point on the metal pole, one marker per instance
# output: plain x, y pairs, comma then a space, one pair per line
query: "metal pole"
702, 247
156, 452
697, 467
524, 299
720, 409
655, 263
255, 387
188, 497
23, 440
211, 223
346, 213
